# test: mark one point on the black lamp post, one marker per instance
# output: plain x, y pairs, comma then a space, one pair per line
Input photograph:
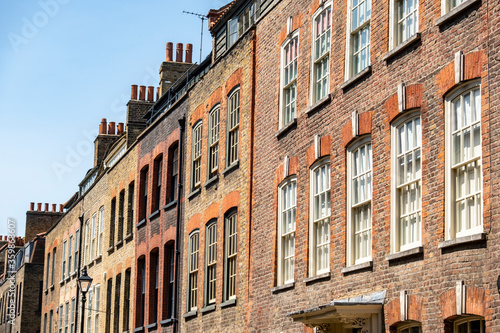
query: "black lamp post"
84, 282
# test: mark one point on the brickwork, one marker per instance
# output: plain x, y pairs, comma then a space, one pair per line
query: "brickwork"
156, 235
219, 195
427, 69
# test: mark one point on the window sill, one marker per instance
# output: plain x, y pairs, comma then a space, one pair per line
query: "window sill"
319, 104
356, 78
194, 193
282, 131
190, 314
405, 254
284, 287
317, 278
231, 168
358, 267
62, 281
462, 240
51, 287
170, 205
212, 181
119, 243
67, 278
208, 308
155, 214
395, 51
111, 249
167, 321
141, 224
151, 326
455, 12
73, 274
128, 237
138, 329
228, 303
46, 291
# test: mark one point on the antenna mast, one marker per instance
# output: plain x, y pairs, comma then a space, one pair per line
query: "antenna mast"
203, 18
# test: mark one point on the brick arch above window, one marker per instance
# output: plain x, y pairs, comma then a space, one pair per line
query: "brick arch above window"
234, 80
323, 150
412, 100
215, 98
193, 223
282, 173
453, 304
297, 21
212, 212
197, 115
364, 126
230, 201
412, 310
471, 68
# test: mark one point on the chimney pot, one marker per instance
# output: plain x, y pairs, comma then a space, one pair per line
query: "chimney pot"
189, 53
157, 93
133, 92
46, 207
32, 206
60, 208
39, 207
170, 49
151, 92
102, 126
111, 128
54, 207
4, 237
142, 93
120, 129
178, 54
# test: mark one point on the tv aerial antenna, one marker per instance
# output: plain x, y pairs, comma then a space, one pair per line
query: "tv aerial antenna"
203, 18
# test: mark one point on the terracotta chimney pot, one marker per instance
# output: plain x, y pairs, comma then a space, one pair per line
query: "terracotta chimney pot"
133, 92
46, 207
189, 53
151, 92
178, 53
142, 93
60, 208
54, 207
111, 128
170, 50
102, 126
120, 129
32, 206
39, 207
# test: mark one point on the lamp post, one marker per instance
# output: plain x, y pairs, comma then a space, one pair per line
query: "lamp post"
84, 282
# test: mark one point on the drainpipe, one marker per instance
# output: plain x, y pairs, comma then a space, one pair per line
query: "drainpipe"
77, 298
182, 122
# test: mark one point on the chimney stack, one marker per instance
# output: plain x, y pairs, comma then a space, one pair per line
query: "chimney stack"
133, 92
120, 129
102, 126
142, 93
111, 128
151, 93
170, 51
178, 54
32, 206
189, 53
39, 207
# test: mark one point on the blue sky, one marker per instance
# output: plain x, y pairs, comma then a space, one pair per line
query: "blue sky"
64, 65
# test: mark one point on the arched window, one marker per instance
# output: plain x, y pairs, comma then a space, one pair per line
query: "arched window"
233, 125
213, 141
196, 156
322, 28
230, 254
289, 70
193, 251
287, 206
210, 262
472, 324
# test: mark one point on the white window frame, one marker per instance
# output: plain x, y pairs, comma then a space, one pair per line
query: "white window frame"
324, 56
211, 262
450, 214
396, 245
446, 5
233, 125
323, 221
197, 147
394, 32
283, 88
70, 254
76, 250
213, 141
468, 319
351, 246
100, 238
349, 64
230, 254
282, 234
64, 260
193, 268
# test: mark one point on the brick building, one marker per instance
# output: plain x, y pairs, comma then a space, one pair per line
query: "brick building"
159, 202
374, 138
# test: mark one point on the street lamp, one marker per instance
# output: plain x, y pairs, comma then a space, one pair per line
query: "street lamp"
84, 282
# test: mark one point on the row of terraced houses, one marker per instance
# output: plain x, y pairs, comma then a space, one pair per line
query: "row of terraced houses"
330, 167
